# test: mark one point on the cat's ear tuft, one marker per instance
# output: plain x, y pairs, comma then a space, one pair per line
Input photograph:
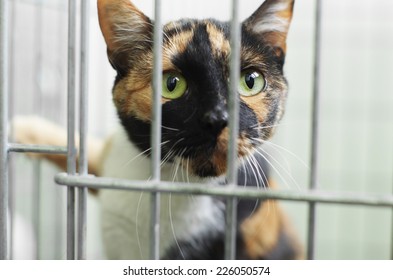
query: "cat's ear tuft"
271, 21
126, 31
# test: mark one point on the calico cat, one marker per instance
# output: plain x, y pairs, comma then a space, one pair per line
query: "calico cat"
194, 132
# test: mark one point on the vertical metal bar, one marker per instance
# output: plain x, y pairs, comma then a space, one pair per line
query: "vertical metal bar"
156, 130
59, 193
71, 155
4, 189
391, 238
11, 81
315, 129
83, 113
391, 233
37, 194
37, 106
233, 108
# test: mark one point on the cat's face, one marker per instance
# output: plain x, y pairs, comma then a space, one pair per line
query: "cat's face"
195, 81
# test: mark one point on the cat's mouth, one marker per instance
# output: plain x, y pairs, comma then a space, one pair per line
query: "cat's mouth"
213, 162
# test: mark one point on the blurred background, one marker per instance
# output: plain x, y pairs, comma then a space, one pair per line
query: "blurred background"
356, 132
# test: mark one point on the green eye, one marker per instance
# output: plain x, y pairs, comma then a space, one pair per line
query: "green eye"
174, 85
251, 83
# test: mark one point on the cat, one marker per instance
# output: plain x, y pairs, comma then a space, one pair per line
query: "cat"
194, 132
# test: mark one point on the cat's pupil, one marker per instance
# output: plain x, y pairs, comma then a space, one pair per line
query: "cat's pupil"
250, 80
171, 83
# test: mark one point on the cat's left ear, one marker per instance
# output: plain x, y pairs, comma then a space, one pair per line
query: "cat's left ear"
127, 32
271, 21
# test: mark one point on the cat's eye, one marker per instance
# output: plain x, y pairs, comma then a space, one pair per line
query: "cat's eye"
174, 85
251, 83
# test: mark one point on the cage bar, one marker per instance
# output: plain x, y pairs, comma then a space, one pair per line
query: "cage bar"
83, 113
30, 148
11, 80
314, 130
155, 186
71, 153
347, 198
391, 238
4, 188
36, 211
37, 106
233, 108
156, 130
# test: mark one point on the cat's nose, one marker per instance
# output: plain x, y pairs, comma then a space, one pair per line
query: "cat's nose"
215, 121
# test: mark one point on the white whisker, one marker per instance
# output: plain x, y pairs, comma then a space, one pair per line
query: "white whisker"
254, 164
170, 128
274, 168
172, 226
187, 170
258, 126
259, 167
286, 150
176, 167
282, 167
142, 153
170, 153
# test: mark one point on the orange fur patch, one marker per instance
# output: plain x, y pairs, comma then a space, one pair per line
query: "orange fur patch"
279, 38
258, 104
261, 231
133, 94
220, 45
117, 12
219, 157
176, 44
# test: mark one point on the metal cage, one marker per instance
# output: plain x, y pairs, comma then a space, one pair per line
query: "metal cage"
77, 181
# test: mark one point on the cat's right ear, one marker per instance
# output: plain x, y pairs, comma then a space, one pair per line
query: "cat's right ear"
271, 22
127, 32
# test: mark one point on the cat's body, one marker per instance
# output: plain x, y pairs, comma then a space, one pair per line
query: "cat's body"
194, 132
191, 227
126, 215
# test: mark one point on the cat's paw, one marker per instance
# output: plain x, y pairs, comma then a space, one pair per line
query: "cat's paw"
37, 131
34, 130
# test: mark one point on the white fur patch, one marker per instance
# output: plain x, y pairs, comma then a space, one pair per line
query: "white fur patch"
126, 215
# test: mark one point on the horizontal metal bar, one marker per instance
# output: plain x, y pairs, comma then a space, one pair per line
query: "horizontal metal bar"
319, 196
22, 148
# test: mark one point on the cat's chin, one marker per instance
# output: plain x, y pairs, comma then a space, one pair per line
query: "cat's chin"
214, 163
214, 166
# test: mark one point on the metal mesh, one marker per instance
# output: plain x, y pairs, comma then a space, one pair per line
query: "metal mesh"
77, 183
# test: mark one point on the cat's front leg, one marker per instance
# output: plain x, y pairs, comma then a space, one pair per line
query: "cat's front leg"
33, 130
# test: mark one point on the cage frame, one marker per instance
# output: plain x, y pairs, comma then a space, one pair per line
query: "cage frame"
77, 183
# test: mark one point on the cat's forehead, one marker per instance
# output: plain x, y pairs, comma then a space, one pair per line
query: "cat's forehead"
180, 34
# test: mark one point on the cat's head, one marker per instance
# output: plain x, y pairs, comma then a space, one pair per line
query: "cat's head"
195, 80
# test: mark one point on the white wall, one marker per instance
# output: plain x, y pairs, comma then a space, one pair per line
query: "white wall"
356, 150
